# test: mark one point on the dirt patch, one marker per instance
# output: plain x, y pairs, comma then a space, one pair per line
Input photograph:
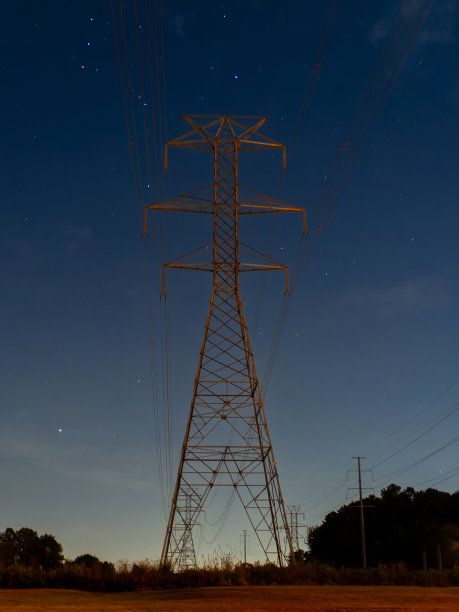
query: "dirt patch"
238, 599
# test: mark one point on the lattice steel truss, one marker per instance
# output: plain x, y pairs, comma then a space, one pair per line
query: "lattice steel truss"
227, 433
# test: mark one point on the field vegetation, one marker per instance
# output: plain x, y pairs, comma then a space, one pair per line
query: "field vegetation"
149, 576
412, 540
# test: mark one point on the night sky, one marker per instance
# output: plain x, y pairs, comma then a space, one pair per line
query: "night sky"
368, 363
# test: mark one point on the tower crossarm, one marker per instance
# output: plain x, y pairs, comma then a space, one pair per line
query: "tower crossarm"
201, 201
197, 260
220, 128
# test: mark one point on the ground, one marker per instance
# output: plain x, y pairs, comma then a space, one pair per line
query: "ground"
237, 599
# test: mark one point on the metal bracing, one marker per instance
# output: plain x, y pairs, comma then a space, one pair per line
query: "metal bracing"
227, 433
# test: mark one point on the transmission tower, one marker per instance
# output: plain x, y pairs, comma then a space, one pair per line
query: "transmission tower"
188, 556
244, 542
293, 513
227, 433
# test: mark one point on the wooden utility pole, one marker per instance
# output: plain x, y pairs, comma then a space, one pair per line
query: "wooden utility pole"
361, 507
362, 520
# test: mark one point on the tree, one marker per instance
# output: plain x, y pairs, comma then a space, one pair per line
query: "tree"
51, 552
93, 562
8, 548
87, 560
28, 546
25, 546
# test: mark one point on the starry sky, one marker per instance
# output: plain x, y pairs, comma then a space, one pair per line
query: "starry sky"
368, 361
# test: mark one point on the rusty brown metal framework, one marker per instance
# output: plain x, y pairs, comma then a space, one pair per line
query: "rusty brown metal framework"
227, 433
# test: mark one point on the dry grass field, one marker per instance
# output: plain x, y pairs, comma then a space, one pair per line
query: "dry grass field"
237, 599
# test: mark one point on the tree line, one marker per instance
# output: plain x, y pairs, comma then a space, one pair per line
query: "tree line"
26, 548
418, 528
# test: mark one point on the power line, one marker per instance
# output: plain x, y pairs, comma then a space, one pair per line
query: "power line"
311, 83
414, 464
372, 105
410, 419
421, 435
161, 415
443, 477
314, 75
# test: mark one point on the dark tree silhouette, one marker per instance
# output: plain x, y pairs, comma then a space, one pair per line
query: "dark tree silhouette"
8, 548
26, 547
400, 525
51, 552
87, 560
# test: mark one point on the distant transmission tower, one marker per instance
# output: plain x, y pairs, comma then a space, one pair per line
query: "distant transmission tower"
293, 513
226, 434
188, 556
244, 542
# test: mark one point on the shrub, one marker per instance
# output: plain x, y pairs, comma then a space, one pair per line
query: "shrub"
145, 575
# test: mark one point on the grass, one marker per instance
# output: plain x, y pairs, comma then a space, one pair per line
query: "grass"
238, 599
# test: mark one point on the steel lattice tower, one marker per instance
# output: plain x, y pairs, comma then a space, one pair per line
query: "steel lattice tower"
293, 512
227, 433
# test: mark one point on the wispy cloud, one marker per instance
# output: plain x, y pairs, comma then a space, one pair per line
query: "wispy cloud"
15, 247
379, 31
440, 27
415, 295
75, 237
180, 25
73, 459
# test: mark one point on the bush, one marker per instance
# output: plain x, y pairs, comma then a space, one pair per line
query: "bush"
145, 575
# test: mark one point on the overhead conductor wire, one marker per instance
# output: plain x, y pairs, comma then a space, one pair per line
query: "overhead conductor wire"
432, 402
163, 318
136, 166
299, 122
316, 230
432, 423
331, 202
348, 157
